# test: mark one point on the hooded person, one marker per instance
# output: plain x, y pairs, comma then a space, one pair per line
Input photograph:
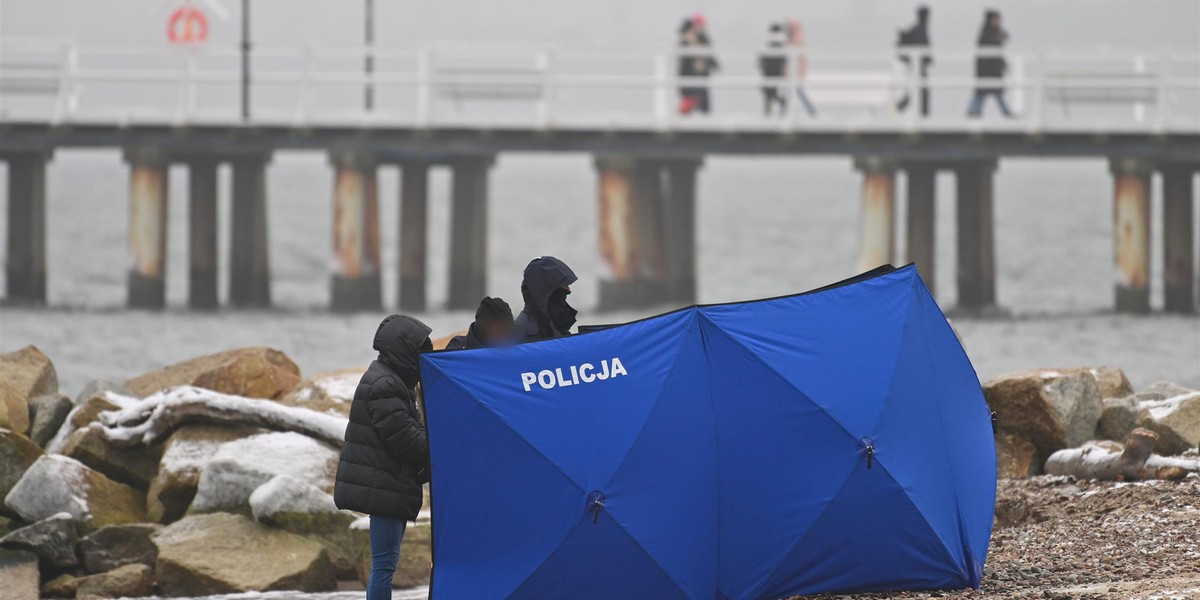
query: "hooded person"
385, 460
545, 286
493, 326
990, 66
914, 42
772, 63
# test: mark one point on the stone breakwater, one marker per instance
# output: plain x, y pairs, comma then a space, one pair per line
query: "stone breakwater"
214, 475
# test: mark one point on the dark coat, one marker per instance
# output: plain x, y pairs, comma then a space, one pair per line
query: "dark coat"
916, 38
385, 459
461, 342
773, 62
543, 277
991, 39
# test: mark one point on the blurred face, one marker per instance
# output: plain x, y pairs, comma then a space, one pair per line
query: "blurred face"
996, 21
497, 330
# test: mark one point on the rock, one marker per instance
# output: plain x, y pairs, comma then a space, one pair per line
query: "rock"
1161, 390
63, 586
48, 412
1112, 382
1120, 417
132, 465
1016, 456
1052, 409
100, 388
1176, 420
250, 372
222, 553
416, 558
57, 483
115, 546
14, 408
241, 466
52, 540
328, 392
24, 374
19, 574
292, 505
185, 454
129, 581
87, 413
17, 454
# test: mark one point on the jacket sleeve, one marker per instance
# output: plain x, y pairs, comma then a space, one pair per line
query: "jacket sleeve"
398, 429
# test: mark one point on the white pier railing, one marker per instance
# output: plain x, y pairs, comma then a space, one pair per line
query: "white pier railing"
555, 87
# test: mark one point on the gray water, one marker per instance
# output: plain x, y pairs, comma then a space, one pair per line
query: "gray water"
766, 227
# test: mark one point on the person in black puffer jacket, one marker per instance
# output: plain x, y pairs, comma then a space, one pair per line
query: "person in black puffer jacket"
385, 459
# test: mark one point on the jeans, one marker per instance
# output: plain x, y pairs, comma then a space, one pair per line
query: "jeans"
976, 107
386, 535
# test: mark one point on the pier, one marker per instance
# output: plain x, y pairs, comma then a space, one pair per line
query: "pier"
460, 108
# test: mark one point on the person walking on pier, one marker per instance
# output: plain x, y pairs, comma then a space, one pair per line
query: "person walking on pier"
545, 287
914, 43
772, 63
385, 460
493, 326
990, 66
695, 62
795, 30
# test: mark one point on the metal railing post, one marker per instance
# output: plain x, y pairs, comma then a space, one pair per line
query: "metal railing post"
1163, 98
424, 65
304, 100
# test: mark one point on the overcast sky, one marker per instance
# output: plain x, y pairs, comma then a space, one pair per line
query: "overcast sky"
862, 25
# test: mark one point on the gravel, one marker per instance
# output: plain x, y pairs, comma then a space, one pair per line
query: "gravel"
1059, 538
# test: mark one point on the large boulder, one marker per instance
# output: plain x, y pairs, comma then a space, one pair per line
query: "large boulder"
292, 505
1054, 409
1176, 420
47, 414
185, 454
328, 392
17, 454
87, 411
129, 581
56, 484
24, 374
1016, 456
52, 540
63, 586
250, 372
100, 388
221, 553
115, 546
132, 465
19, 574
1119, 418
241, 466
416, 556
1112, 382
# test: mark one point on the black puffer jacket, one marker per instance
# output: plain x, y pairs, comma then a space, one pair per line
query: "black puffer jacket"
386, 456
545, 276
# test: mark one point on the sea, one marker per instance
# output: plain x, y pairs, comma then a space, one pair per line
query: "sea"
766, 226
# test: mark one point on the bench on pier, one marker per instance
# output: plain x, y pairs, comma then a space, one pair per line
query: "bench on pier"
1069, 88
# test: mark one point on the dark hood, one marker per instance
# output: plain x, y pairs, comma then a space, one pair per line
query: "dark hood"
543, 276
399, 340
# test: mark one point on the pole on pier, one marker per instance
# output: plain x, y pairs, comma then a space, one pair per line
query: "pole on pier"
147, 228
878, 221
355, 283
679, 222
468, 231
245, 47
633, 270
414, 237
976, 261
920, 234
249, 268
1179, 238
25, 260
202, 233
1131, 234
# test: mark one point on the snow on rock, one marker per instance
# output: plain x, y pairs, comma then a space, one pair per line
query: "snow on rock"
185, 454
329, 392
239, 467
56, 483
286, 494
88, 410
1176, 420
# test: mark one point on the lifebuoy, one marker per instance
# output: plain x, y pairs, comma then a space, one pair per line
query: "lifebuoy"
187, 25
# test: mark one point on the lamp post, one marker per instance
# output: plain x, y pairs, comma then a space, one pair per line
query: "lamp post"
245, 60
369, 60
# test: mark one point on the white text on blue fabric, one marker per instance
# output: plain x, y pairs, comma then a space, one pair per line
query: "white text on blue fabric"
549, 379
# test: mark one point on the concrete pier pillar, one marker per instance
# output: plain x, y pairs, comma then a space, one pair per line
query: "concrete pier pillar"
202, 233
1131, 234
147, 228
976, 260
920, 234
25, 258
468, 231
1179, 238
249, 268
877, 244
355, 282
633, 269
414, 236
679, 222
